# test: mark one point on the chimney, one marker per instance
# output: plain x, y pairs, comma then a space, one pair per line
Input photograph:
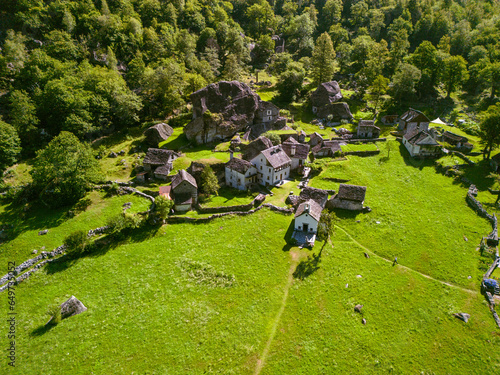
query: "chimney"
230, 155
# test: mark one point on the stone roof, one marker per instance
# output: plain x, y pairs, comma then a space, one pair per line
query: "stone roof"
420, 138
239, 165
367, 124
256, 146
310, 207
291, 140
414, 115
164, 169
301, 150
182, 175
352, 192
276, 156
315, 135
320, 196
334, 146
454, 137
159, 156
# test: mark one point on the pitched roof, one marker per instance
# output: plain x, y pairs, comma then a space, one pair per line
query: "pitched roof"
301, 150
420, 138
367, 124
414, 115
320, 196
352, 192
256, 146
239, 165
182, 175
164, 169
310, 207
334, 146
454, 137
159, 156
276, 156
291, 140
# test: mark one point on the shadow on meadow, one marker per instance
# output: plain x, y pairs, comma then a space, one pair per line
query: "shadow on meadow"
413, 162
102, 245
37, 217
41, 330
308, 266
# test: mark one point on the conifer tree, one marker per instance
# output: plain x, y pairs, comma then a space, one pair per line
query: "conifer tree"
323, 59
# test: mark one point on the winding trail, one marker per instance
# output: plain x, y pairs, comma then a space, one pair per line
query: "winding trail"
262, 360
405, 267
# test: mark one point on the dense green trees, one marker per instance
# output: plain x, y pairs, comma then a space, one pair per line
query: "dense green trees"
490, 128
10, 146
64, 170
323, 59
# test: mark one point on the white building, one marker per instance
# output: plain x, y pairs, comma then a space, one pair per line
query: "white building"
240, 173
307, 216
297, 152
273, 165
421, 144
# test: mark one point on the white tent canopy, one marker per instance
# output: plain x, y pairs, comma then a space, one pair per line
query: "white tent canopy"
438, 121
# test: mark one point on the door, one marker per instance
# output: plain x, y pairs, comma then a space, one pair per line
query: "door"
306, 227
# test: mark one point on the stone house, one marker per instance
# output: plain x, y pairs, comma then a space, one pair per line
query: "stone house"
297, 152
266, 113
349, 197
273, 165
184, 190
367, 129
307, 217
456, 140
240, 173
302, 136
156, 158
315, 138
421, 144
326, 148
326, 93
413, 120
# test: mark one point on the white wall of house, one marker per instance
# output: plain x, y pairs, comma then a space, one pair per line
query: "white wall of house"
238, 180
267, 174
305, 218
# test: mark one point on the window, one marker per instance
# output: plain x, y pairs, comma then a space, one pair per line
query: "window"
261, 167
268, 177
269, 112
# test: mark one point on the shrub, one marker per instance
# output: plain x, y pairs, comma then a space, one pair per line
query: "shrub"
114, 188
54, 312
76, 243
82, 205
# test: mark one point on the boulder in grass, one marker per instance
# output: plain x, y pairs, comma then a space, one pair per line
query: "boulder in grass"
358, 308
72, 307
462, 316
158, 133
42, 232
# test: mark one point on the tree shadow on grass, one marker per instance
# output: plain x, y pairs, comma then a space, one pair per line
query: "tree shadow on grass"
307, 267
413, 162
288, 237
346, 214
38, 217
41, 330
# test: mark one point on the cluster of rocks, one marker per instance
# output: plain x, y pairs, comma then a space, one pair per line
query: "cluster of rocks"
158, 133
326, 103
113, 154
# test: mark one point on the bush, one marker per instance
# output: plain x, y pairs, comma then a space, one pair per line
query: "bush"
76, 243
114, 188
273, 137
54, 312
120, 223
82, 205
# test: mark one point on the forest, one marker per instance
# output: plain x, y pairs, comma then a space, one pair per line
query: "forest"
93, 67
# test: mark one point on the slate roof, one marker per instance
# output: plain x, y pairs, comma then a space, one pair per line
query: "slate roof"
334, 146
414, 115
301, 150
255, 147
164, 169
182, 175
310, 207
159, 156
420, 138
367, 124
320, 196
291, 140
276, 156
239, 165
454, 137
352, 192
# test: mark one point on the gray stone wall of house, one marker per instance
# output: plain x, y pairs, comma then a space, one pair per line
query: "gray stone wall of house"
344, 204
186, 188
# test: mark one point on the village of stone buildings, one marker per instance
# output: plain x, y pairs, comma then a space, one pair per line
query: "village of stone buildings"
231, 111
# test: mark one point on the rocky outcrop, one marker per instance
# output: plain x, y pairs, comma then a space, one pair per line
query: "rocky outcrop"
72, 307
220, 110
326, 93
158, 133
338, 111
223, 109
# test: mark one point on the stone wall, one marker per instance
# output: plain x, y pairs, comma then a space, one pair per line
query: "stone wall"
462, 156
363, 140
362, 153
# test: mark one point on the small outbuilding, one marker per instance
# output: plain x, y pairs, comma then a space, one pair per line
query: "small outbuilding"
240, 173
413, 120
367, 129
349, 197
297, 152
307, 217
421, 144
156, 158
184, 190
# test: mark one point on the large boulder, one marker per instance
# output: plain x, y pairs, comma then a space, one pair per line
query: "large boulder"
158, 133
220, 110
338, 111
72, 307
326, 93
